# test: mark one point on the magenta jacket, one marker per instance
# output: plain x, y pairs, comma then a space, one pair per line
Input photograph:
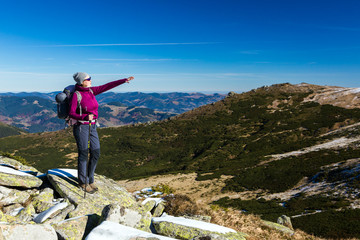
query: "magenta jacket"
88, 103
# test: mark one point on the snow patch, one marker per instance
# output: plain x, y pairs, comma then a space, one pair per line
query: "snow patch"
113, 231
157, 200
46, 214
336, 143
355, 90
64, 172
13, 171
193, 223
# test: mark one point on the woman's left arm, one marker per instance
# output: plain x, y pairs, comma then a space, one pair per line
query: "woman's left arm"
103, 88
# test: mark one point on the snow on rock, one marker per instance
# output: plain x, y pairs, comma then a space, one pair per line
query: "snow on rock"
157, 200
64, 172
46, 214
183, 228
9, 170
113, 231
336, 143
193, 223
13, 178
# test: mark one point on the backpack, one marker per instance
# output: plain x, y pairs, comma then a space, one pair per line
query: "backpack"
63, 101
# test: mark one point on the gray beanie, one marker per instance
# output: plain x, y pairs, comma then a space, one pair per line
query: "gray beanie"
79, 77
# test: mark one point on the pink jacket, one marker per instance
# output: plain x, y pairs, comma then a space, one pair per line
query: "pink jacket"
88, 103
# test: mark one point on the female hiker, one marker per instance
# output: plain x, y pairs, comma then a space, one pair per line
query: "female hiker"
86, 116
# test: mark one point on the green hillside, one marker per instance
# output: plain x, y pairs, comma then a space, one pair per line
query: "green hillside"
7, 130
227, 137
234, 136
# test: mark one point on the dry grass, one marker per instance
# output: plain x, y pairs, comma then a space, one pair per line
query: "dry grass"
194, 198
180, 205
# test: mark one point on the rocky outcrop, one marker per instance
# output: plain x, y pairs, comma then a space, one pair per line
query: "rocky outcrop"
52, 206
116, 231
14, 178
134, 216
27, 231
65, 183
182, 228
278, 227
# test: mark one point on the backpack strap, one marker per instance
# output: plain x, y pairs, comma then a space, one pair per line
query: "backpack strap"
79, 97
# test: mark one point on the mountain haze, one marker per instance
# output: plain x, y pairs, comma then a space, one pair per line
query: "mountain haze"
294, 145
36, 112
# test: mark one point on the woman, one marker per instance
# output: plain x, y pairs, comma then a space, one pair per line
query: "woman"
87, 114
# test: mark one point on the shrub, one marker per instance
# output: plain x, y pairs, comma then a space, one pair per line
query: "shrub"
164, 188
17, 158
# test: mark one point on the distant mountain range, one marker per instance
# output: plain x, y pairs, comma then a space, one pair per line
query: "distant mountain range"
36, 112
286, 149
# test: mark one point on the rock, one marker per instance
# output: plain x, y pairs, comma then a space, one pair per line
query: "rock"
149, 205
113, 231
2, 217
44, 200
76, 228
13, 209
27, 232
277, 226
14, 178
135, 216
62, 215
10, 196
26, 213
16, 164
158, 210
285, 221
51, 212
66, 184
199, 218
231, 94
182, 228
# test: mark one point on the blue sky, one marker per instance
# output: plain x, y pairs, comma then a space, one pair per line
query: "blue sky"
179, 45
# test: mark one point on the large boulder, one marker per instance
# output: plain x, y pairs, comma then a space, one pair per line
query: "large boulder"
11, 196
76, 228
27, 231
278, 227
134, 216
182, 228
51, 212
114, 231
5, 161
44, 200
15, 178
65, 182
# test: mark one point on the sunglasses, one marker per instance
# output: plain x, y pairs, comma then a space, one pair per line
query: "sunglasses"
88, 79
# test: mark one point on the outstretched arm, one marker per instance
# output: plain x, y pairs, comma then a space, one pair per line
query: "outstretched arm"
103, 88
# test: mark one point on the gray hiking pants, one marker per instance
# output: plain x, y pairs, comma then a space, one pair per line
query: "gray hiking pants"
81, 134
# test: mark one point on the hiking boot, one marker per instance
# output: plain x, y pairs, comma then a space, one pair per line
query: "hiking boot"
93, 186
87, 188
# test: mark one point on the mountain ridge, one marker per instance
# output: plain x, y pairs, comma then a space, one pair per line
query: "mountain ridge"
36, 112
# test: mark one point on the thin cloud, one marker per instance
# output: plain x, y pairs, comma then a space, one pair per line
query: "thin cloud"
134, 59
130, 44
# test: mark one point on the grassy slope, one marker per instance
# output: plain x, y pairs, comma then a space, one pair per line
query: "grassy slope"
229, 137
7, 130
